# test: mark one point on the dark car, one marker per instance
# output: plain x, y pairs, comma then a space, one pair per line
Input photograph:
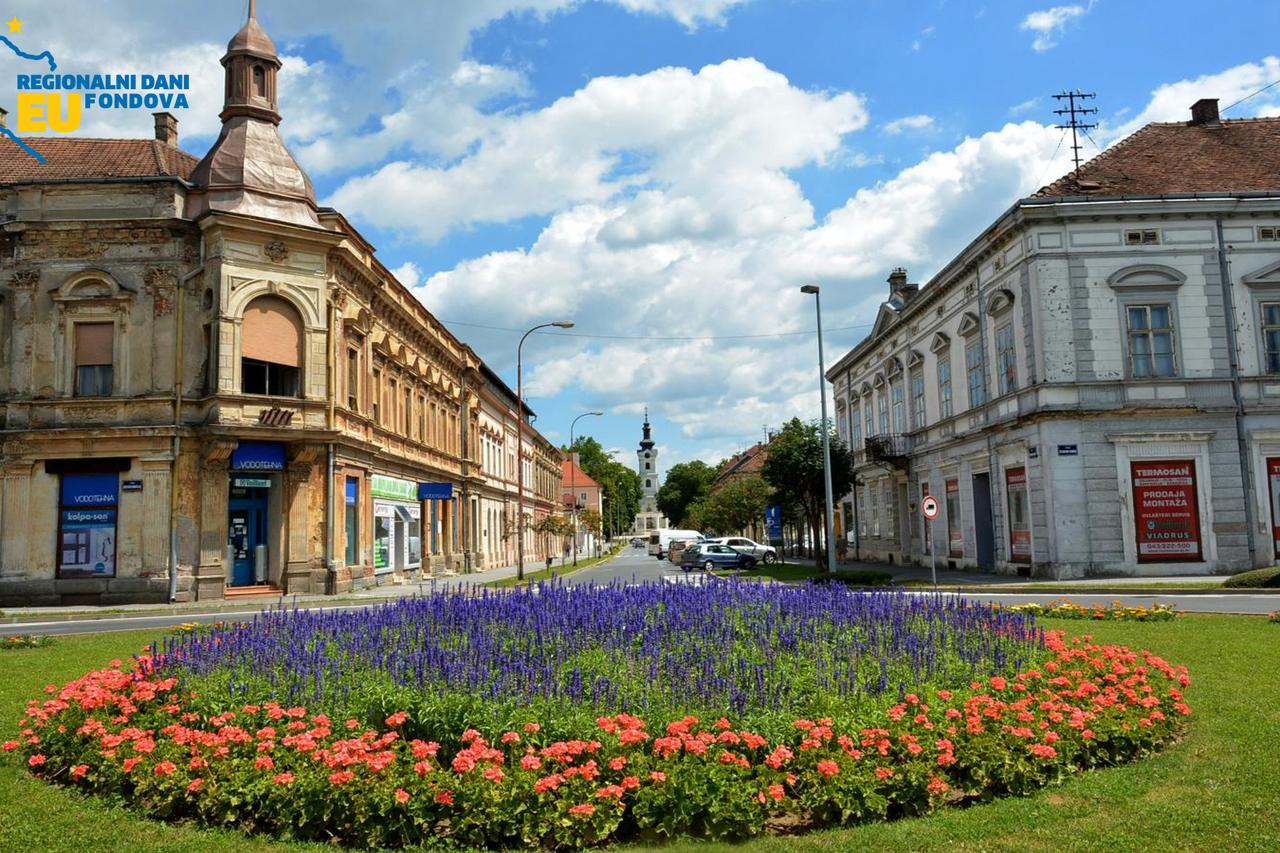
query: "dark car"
710, 556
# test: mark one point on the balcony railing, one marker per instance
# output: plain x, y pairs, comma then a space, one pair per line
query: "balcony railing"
890, 448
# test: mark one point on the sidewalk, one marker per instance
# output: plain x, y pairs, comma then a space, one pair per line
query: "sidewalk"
372, 595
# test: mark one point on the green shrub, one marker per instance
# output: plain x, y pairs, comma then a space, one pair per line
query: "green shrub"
1256, 578
863, 578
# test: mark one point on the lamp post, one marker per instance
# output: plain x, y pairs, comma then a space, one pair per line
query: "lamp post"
826, 438
573, 468
559, 324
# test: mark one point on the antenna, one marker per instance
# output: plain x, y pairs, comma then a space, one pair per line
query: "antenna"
1074, 123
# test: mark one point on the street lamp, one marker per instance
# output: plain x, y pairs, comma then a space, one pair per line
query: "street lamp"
573, 492
826, 438
559, 324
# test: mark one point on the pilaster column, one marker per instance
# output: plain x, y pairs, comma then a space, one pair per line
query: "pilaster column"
297, 566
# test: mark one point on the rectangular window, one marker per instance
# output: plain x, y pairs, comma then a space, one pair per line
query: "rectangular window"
408, 412
1015, 483
1271, 336
869, 416
874, 509
856, 432
392, 397
422, 418
94, 349
1006, 359
884, 413
863, 501
87, 525
1166, 510
351, 510
918, 418
841, 427
377, 396
955, 533
976, 373
898, 394
1150, 332
353, 379
944, 389
269, 378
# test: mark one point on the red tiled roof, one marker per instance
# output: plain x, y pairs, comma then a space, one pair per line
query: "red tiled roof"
580, 478
70, 158
1238, 155
749, 461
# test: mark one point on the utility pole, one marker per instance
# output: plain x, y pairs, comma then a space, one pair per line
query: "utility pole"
1074, 122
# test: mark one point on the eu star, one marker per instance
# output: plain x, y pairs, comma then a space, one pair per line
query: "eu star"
15, 25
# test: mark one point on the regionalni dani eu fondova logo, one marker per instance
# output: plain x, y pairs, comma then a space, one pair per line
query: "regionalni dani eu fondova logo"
55, 101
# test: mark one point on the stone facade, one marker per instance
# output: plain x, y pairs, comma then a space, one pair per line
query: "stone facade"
209, 382
1073, 439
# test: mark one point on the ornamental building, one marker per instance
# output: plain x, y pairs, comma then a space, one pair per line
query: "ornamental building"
1092, 386
209, 384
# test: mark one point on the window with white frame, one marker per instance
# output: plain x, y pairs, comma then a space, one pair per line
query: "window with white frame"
884, 412
874, 510
869, 417
1006, 359
1150, 333
975, 373
842, 425
855, 428
898, 395
94, 348
1271, 336
917, 400
944, 388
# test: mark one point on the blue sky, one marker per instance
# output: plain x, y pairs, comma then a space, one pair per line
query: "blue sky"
676, 168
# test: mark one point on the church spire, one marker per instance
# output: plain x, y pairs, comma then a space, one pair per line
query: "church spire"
646, 442
252, 64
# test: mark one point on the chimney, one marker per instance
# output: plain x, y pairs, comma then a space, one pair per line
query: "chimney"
898, 286
1204, 113
4, 117
167, 129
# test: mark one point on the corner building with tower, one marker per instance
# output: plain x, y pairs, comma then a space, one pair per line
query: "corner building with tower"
210, 385
1092, 386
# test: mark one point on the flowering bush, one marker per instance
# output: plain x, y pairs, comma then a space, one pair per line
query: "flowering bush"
139, 734
26, 641
1274, 617
1064, 608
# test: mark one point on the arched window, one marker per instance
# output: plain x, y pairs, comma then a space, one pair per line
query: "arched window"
259, 82
271, 348
647, 483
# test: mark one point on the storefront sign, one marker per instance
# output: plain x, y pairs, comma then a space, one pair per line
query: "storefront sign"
382, 486
1273, 480
955, 533
1166, 514
131, 486
1015, 484
87, 525
251, 483
258, 456
435, 491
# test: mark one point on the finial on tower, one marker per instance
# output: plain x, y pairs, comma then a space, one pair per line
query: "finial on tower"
253, 9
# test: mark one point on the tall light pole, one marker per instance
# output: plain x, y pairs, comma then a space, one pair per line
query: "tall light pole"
573, 468
559, 324
826, 437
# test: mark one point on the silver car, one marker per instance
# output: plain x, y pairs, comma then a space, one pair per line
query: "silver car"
766, 554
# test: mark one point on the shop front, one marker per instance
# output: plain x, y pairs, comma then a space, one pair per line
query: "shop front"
397, 525
253, 512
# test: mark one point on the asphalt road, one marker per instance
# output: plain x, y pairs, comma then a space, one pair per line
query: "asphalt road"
634, 565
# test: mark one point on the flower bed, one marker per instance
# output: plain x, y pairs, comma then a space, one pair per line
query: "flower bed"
1064, 608
140, 734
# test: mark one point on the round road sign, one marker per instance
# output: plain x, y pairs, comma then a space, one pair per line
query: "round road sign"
929, 507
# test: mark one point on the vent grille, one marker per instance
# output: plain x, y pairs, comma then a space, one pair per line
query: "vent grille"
1268, 232
1143, 237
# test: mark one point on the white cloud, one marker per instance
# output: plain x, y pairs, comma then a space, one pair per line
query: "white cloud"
1172, 101
916, 122
1024, 107
1047, 24
919, 41
409, 274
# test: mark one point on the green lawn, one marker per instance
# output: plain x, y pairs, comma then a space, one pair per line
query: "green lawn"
548, 574
780, 571
1217, 790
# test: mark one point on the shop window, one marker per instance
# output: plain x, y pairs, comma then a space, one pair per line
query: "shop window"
94, 347
1006, 359
1166, 510
271, 348
87, 524
1015, 480
944, 389
1271, 336
955, 533
1150, 333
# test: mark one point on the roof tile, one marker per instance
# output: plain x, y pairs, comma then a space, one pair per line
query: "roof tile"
72, 158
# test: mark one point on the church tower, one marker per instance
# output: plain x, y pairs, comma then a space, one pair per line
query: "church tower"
649, 517
249, 170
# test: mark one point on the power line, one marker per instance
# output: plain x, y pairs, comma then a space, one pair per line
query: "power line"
659, 337
1074, 123
1250, 95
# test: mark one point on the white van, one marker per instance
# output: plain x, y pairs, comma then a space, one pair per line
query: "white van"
660, 539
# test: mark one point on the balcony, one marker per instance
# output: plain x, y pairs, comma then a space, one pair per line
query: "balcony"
890, 449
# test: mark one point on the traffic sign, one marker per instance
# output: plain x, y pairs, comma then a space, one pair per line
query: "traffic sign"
929, 507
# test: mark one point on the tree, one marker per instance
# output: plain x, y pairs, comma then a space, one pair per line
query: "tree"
621, 485
591, 520
737, 505
685, 483
794, 470
553, 525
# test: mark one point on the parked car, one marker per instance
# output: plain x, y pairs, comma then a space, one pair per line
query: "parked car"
660, 539
676, 547
710, 555
637, 542
766, 554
